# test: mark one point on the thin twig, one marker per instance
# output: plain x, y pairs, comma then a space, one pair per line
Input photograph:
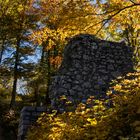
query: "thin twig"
111, 16
132, 1
101, 27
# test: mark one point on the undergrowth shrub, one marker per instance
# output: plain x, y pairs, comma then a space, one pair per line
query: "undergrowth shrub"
9, 118
107, 119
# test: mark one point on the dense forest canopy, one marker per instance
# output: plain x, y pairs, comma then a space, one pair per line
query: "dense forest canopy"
40, 29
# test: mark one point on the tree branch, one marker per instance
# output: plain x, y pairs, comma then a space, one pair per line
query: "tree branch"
111, 16
132, 1
101, 27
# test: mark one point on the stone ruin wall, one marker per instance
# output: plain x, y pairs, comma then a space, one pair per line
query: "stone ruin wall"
88, 67
28, 117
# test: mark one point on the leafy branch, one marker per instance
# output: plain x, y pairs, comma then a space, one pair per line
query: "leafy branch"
105, 21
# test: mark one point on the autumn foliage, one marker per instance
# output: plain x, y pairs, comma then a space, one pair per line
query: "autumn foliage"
109, 119
27, 26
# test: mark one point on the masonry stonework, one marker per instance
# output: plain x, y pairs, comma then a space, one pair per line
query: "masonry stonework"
88, 66
28, 117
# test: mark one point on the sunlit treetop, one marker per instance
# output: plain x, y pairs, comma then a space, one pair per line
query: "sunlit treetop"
62, 19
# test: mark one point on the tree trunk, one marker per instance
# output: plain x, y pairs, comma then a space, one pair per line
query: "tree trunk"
2, 49
48, 101
36, 94
13, 95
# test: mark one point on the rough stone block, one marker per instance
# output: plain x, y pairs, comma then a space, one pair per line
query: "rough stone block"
41, 109
28, 108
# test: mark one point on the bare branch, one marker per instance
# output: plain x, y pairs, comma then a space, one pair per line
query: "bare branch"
94, 24
101, 27
132, 1
111, 16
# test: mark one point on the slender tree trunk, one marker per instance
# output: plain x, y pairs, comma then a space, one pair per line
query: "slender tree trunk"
36, 94
45, 58
48, 78
42, 55
2, 50
13, 95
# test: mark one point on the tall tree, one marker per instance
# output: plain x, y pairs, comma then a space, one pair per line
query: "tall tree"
60, 20
18, 22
